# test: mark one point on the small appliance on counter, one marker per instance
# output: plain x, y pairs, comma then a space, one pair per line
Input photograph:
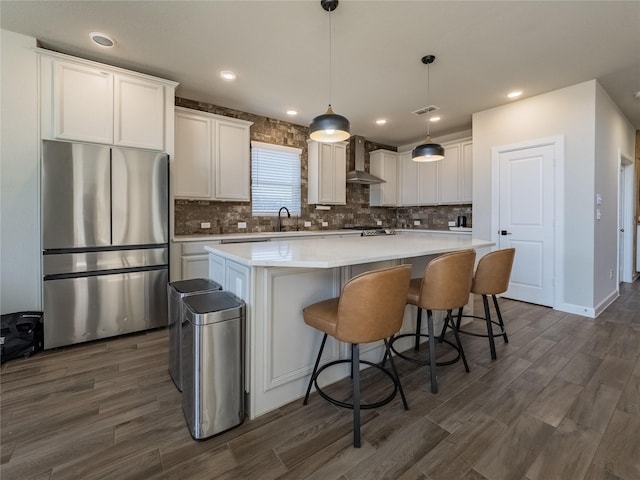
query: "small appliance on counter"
461, 221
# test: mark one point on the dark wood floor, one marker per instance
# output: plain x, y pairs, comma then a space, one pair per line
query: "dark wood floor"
561, 402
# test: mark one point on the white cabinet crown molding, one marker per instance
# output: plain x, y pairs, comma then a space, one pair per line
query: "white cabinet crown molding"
215, 116
98, 65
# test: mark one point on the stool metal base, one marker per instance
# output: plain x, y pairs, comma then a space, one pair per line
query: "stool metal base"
491, 335
357, 405
363, 406
424, 362
432, 363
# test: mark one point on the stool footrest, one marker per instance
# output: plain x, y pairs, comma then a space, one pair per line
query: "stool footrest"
500, 333
424, 362
363, 406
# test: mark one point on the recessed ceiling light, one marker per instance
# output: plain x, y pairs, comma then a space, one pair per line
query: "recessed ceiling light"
381, 121
102, 39
434, 119
514, 94
228, 75
292, 112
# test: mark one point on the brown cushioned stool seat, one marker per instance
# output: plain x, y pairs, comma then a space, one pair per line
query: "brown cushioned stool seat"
370, 308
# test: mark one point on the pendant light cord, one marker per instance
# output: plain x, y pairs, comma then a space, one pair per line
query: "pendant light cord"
330, 59
428, 105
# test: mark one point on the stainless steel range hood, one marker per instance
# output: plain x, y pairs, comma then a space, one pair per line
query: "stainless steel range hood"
359, 175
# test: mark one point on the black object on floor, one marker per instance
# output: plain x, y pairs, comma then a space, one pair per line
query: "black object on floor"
22, 335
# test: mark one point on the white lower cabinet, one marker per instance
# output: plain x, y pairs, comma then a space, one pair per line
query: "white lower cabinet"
190, 260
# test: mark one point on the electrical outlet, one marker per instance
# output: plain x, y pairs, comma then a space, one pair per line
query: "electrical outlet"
416, 222
205, 225
325, 224
611, 274
379, 222
307, 224
242, 225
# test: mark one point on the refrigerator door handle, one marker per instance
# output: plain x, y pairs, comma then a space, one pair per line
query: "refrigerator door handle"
98, 273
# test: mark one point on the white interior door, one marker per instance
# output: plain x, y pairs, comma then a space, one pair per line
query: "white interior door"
526, 220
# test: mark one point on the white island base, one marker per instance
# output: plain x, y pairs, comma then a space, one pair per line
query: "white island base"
278, 279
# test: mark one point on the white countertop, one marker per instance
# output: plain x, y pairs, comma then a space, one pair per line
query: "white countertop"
342, 251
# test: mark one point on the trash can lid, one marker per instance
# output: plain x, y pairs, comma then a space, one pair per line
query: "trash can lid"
211, 307
195, 285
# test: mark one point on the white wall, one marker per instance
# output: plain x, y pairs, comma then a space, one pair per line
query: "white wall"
19, 175
570, 112
614, 136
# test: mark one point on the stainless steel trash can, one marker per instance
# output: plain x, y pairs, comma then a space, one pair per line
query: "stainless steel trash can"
213, 362
177, 291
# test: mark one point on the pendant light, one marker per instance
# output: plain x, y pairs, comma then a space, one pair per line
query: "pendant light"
329, 127
428, 152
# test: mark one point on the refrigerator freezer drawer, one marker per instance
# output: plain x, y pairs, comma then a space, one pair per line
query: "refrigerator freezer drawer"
88, 308
61, 263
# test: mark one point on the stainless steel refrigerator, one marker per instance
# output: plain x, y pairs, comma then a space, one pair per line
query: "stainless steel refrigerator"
105, 250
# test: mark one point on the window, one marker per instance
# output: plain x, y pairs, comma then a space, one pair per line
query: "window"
275, 178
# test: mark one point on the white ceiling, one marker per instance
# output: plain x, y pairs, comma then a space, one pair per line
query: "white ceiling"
280, 52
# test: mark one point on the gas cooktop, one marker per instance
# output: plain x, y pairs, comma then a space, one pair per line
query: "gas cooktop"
370, 231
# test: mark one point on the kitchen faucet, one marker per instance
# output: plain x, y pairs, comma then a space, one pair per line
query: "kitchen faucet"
280, 219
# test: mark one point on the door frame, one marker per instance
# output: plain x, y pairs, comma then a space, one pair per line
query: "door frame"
625, 209
558, 144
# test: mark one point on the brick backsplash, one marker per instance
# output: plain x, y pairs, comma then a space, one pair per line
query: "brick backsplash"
224, 216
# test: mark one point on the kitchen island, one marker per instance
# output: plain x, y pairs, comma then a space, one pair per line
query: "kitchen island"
278, 279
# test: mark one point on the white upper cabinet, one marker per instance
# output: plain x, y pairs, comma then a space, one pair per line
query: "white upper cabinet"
232, 160
327, 173
456, 173
409, 183
82, 103
466, 162
193, 168
449, 172
384, 164
90, 102
409, 180
139, 113
428, 183
212, 159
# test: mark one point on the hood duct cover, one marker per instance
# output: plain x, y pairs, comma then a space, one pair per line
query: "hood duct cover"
359, 175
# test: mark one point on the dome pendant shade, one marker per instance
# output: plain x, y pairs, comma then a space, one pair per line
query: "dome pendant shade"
427, 152
329, 127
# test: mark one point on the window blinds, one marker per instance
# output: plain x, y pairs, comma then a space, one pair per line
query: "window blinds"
275, 178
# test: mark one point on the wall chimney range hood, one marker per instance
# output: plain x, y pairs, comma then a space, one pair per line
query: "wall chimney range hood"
359, 175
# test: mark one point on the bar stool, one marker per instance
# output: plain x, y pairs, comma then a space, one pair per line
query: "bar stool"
491, 278
370, 308
445, 285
